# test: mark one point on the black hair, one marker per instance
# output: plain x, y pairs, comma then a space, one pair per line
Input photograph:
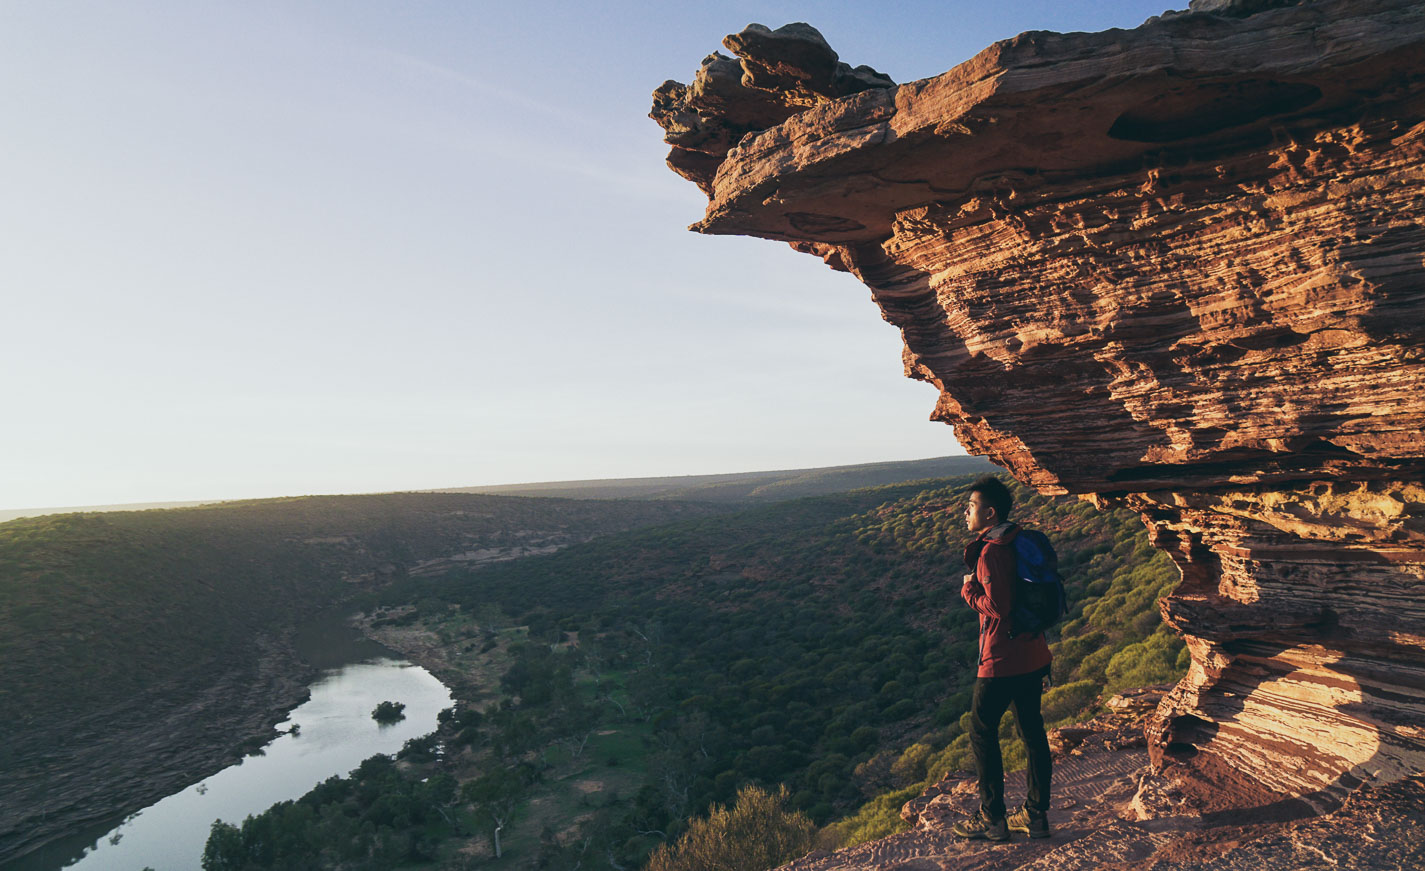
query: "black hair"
993, 491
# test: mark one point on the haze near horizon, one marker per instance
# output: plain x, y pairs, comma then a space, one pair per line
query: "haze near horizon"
267, 250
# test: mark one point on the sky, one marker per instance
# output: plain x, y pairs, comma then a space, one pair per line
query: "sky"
263, 248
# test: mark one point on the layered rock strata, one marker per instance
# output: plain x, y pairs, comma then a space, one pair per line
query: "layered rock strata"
1181, 268
778, 73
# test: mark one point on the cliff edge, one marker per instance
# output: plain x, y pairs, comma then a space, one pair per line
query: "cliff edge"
1179, 268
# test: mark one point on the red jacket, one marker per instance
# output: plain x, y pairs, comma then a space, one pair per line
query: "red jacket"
991, 593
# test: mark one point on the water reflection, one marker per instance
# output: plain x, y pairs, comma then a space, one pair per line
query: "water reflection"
334, 734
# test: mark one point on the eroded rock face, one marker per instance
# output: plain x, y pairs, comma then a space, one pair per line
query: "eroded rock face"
1180, 268
777, 74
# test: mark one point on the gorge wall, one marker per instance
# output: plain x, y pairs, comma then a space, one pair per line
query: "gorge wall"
1179, 268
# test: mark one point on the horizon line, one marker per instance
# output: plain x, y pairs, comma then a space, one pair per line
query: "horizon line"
7, 514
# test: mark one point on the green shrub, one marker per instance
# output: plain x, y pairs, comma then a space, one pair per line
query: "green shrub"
1066, 703
1151, 661
910, 766
955, 757
389, 712
876, 819
758, 833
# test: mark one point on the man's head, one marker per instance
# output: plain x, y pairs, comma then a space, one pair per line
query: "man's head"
989, 503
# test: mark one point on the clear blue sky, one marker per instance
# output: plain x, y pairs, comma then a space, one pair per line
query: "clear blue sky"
272, 248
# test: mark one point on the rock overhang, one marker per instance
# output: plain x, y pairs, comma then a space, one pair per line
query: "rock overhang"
1094, 152
1180, 268
1043, 105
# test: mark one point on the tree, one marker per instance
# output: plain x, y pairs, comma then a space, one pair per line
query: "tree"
224, 850
389, 712
496, 796
758, 833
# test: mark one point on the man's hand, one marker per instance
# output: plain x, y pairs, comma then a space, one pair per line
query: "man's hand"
969, 579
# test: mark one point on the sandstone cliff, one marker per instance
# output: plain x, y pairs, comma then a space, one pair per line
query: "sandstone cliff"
1180, 268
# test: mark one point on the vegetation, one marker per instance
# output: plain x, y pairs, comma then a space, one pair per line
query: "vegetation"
96, 608
756, 834
374, 820
114, 624
389, 712
815, 650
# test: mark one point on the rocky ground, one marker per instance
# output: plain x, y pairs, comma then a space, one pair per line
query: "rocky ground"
1110, 811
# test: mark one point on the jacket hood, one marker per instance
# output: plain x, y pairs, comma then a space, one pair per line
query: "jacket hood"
1003, 533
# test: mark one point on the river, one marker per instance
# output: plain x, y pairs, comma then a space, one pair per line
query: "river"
334, 733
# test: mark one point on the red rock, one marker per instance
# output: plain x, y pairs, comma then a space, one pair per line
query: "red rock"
1179, 268
1067, 738
777, 74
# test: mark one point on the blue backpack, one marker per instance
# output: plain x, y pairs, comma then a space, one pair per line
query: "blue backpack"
1039, 599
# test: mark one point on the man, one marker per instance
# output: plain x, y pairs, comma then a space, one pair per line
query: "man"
1011, 672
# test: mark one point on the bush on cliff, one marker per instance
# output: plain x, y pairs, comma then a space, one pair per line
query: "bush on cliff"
1160, 658
758, 833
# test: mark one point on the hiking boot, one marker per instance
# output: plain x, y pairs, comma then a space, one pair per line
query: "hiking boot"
981, 826
1035, 824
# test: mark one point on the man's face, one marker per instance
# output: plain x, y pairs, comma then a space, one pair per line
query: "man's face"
979, 514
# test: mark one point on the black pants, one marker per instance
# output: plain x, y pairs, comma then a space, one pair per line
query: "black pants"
992, 696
